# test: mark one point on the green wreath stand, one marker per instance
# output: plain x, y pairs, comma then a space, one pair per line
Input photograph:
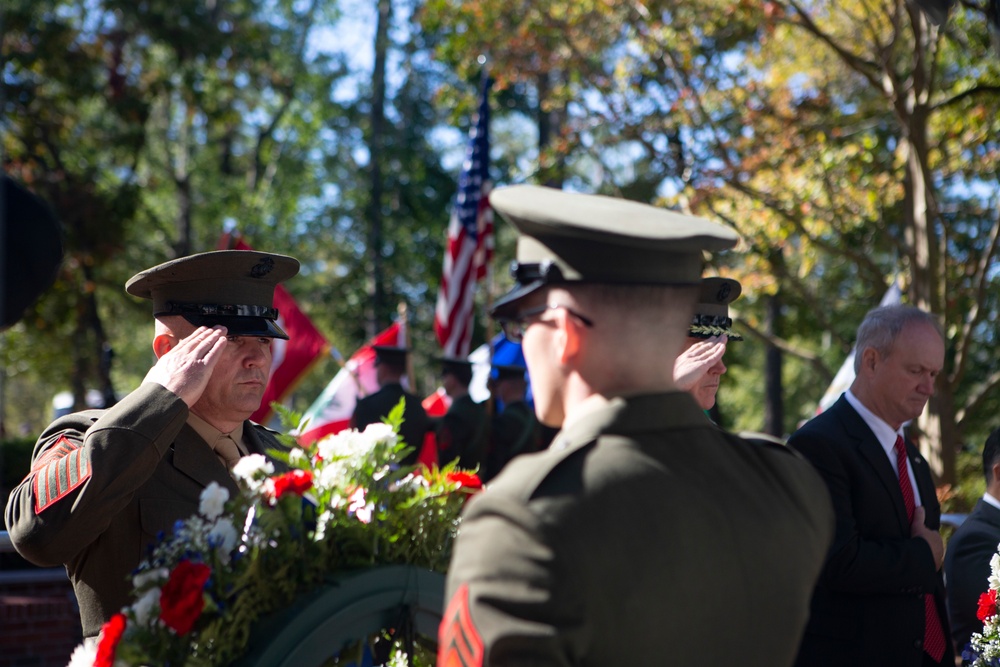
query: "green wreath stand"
350, 608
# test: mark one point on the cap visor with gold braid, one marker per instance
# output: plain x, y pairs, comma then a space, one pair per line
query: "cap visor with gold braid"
232, 288
711, 313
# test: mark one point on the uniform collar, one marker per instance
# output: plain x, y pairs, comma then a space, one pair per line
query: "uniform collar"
628, 415
210, 434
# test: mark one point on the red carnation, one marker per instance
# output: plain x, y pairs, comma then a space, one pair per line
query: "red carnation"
987, 605
296, 481
181, 600
111, 634
465, 479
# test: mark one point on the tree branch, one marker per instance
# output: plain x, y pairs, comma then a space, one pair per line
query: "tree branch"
976, 397
958, 97
785, 346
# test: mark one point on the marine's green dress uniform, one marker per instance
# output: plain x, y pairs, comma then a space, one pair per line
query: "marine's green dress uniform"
639, 538
463, 432
374, 408
104, 483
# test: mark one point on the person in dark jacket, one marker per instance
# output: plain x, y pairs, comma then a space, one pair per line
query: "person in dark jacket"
463, 431
514, 429
390, 367
970, 549
880, 600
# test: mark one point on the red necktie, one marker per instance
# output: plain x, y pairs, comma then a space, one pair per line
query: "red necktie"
933, 633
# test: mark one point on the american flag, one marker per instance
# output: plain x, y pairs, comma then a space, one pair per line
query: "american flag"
470, 241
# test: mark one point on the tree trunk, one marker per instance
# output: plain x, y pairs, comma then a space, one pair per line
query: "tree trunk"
376, 286
774, 407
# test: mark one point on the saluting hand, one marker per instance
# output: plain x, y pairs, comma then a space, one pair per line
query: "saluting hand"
693, 363
186, 368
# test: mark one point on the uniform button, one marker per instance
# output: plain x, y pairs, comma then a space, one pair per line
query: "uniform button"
918, 644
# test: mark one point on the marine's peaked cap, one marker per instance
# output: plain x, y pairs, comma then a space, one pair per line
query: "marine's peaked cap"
234, 288
570, 237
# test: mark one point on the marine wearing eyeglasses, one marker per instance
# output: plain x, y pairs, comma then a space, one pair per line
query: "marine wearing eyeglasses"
103, 483
644, 535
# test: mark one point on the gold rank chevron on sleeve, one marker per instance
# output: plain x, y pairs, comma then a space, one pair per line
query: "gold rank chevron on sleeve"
57, 472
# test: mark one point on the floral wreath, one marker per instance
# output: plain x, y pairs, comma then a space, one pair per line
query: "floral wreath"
345, 503
983, 649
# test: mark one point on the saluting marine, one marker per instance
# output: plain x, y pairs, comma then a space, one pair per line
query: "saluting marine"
103, 483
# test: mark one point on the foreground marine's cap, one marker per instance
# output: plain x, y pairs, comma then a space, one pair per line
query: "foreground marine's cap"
234, 288
577, 238
711, 313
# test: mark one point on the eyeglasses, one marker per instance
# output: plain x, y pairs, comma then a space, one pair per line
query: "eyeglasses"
514, 327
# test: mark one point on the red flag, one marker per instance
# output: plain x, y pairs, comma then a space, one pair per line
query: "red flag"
290, 359
331, 411
470, 242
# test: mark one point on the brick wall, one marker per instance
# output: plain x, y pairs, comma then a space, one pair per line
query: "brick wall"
39, 619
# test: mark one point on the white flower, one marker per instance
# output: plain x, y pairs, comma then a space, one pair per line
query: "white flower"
147, 607
332, 476
995, 571
85, 655
348, 445
380, 433
411, 482
297, 457
213, 501
155, 576
251, 469
223, 534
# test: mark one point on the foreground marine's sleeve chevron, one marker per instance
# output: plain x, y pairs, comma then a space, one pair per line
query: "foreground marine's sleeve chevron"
459, 643
58, 472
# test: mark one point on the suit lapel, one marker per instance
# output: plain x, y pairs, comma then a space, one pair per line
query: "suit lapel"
871, 451
194, 458
925, 483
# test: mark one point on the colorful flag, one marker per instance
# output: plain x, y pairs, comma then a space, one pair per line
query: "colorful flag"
844, 378
290, 359
470, 242
331, 411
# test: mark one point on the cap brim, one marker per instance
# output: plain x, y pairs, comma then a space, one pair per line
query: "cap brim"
504, 306
240, 326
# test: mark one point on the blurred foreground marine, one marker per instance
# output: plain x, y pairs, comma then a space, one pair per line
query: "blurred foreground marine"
644, 535
103, 483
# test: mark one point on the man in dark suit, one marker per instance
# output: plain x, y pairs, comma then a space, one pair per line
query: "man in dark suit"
880, 599
644, 535
103, 483
967, 561
390, 367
